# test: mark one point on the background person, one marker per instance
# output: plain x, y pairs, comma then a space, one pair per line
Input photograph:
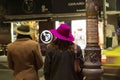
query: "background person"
24, 55
60, 55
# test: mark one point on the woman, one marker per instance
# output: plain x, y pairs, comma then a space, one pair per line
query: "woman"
24, 55
60, 56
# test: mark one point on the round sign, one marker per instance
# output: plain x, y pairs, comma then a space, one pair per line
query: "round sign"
46, 36
28, 6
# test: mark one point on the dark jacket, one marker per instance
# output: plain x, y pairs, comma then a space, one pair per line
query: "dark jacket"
25, 59
59, 64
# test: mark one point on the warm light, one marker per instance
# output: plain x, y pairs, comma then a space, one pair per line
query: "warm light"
104, 59
79, 32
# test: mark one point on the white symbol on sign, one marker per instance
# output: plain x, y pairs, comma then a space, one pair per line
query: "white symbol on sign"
46, 36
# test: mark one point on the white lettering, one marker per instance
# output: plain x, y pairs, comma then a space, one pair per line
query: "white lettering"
76, 3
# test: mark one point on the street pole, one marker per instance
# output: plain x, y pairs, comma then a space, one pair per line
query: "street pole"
104, 21
92, 66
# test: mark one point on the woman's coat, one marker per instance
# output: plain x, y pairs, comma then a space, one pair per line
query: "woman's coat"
59, 65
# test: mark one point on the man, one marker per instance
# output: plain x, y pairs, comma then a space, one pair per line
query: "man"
24, 55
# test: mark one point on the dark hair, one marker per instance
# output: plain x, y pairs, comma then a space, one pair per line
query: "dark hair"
19, 36
62, 44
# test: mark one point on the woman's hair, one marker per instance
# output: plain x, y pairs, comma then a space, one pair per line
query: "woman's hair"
19, 36
62, 45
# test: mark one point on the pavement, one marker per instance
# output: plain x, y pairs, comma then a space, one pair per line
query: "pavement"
7, 74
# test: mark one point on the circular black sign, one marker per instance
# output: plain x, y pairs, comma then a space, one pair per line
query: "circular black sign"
28, 6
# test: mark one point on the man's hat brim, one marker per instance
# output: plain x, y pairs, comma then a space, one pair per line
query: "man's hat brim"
22, 32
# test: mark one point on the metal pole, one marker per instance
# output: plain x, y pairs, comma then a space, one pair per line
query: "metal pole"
104, 21
92, 66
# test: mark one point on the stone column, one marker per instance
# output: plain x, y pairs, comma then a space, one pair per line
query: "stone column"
92, 69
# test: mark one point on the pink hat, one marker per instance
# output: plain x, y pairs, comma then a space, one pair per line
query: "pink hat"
63, 32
